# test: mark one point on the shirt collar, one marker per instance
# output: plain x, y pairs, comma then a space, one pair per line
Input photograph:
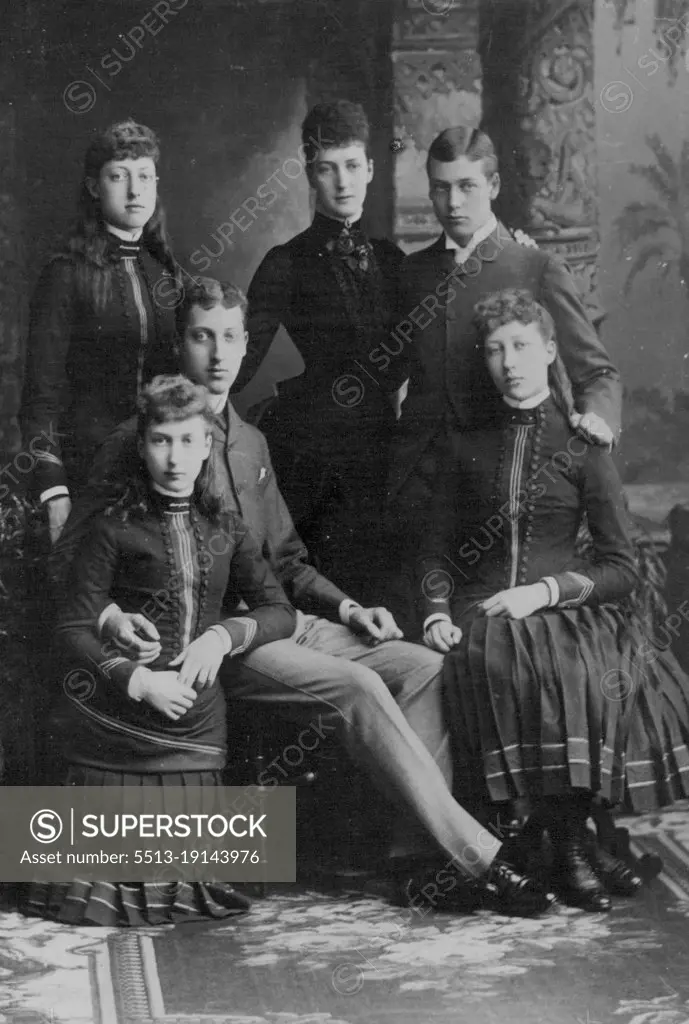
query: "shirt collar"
218, 403
229, 422
463, 252
172, 494
528, 403
125, 236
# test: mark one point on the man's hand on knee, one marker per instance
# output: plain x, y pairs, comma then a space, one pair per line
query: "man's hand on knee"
376, 623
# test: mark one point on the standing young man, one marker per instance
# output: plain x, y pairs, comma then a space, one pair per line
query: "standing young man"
333, 289
440, 286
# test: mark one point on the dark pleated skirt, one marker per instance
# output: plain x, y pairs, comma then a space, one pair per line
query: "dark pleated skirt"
567, 699
134, 904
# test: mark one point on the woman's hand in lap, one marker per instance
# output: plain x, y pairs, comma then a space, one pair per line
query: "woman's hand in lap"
165, 692
517, 602
200, 662
442, 636
134, 633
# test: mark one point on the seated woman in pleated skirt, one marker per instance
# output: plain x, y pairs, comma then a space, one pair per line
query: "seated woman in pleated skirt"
554, 695
166, 542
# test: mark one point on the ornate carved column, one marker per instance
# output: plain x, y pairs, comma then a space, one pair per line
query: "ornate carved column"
437, 83
539, 109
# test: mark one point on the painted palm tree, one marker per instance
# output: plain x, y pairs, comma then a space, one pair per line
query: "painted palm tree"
659, 231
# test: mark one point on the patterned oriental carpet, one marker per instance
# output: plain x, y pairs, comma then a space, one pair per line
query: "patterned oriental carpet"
313, 958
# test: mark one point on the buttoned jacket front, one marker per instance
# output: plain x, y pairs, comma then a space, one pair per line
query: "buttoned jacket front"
448, 382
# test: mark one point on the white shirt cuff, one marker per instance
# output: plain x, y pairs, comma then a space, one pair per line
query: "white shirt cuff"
53, 492
553, 589
345, 610
436, 617
225, 637
135, 685
105, 614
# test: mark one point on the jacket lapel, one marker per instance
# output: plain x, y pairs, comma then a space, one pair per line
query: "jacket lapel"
463, 370
246, 469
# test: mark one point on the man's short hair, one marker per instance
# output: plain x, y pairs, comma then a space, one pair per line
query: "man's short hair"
331, 125
508, 305
462, 140
206, 292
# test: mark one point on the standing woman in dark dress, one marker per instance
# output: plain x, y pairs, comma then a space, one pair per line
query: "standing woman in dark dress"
334, 290
101, 323
550, 695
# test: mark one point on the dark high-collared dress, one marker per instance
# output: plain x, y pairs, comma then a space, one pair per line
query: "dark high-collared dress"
573, 696
330, 428
172, 564
437, 350
85, 367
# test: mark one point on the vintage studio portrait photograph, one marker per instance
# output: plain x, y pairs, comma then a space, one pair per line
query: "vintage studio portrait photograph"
344, 512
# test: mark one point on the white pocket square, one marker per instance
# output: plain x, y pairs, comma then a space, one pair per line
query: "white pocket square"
263, 474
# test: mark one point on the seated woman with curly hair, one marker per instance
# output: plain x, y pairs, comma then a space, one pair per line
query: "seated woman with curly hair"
164, 541
549, 696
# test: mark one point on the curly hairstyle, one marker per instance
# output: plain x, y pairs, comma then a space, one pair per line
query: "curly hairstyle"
87, 243
167, 399
510, 304
329, 125
207, 293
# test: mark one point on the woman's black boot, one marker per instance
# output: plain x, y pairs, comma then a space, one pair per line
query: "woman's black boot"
617, 877
573, 877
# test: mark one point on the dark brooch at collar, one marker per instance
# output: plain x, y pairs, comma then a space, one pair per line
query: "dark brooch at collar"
351, 246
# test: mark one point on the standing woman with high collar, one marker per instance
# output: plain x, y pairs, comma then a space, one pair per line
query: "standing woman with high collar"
102, 316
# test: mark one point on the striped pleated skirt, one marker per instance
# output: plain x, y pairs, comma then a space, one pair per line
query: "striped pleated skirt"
134, 904
567, 699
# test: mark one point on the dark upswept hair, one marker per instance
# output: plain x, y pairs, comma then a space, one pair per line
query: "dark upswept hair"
510, 304
330, 125
206, 292
124, 140
462, 140
167, 399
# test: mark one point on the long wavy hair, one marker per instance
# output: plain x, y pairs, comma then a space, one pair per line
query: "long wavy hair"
87, 242
510, 304
167, 399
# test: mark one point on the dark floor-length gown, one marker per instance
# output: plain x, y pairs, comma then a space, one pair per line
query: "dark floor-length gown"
574, 696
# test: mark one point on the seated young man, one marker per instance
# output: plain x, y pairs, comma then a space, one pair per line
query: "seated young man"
345, 667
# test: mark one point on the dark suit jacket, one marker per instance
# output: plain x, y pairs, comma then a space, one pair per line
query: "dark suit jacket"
243, 472
446, 370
